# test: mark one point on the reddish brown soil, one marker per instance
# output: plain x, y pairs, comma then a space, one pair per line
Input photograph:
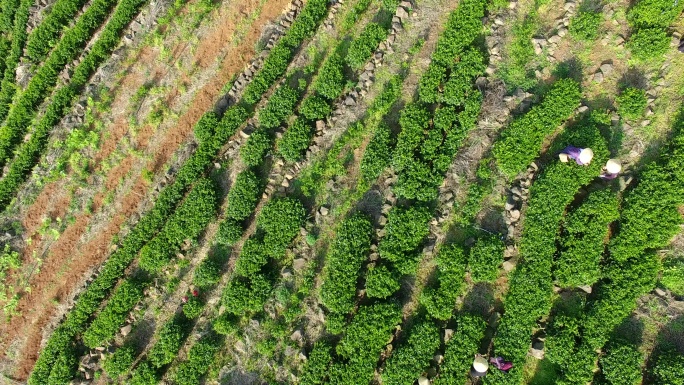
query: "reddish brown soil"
68, 260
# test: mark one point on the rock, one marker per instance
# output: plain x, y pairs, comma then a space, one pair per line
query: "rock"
509, 206
606, 68
508, 265
100, 349
406, 5
299, 264
448, 333
585, 288
562, 31
569, 5
320, 125
598, 77
555, 39
498, 21
296, 336
516, 191
620, 41
660, 292
126, 330
382, 220
645, 123
323, 210
537, 49
423, 381
537, 353
438, 358
349, 101
285, 183
582, 109
402, 14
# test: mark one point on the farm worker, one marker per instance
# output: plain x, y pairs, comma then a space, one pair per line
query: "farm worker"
582, 156
480, 366
195, 293
185, 299
501, 364
611, 169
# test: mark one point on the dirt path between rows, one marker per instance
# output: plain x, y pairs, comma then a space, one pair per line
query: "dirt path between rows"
70, 260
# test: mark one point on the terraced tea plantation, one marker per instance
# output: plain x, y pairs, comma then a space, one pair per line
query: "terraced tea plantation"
341, 192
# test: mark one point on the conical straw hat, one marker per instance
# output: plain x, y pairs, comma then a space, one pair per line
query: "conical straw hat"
586, 155
613, 166
480, 364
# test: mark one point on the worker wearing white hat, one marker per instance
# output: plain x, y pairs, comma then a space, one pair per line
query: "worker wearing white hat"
480, 366
581, 156
611, 169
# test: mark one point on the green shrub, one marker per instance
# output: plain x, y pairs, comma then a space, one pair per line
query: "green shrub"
66, 363
440, 299
145, 374
226, 324
168, 343
669, 368
411, 358
654, 13
197, 363
207, 274
521, 142
204, 129
585, 25
582, 241
246, 294
378, 154
363, 46
347, 253
405, 231
256, 148
252, 258
673, 275
648, 43
279, 107
330, 80
316, 366
460, 349
295, 140
381, 281
193, 308
119, 362
281, 219
622, 364
485, 258
229, 232
315, 107
632, 103
243, 196
368, 332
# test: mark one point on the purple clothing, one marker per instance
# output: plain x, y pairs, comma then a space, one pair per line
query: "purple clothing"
501, 364
608, 176
574, 153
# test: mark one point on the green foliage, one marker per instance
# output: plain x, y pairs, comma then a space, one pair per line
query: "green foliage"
119, 362
521, 142
256, 148
207, 274
632, 103
585, 25
529, 295
193, 308
649, 20
316, 367
405, 231
378, 154
368, 332
411, 358
281, 219
145, 374
315, 107
226, 324
330, 80
204, 129
463, 74
187, 222
46, 34
439, 300
197, 363
363, 46
280, 55
354, 14
229, 232
673, 275
622, 364
517, 69
295, 140
8, 260
582, 241
252, 258
279, 107
343, 263
112, 317
61, 373
460, 350
169, 341
243, 196
668, 368
485, 257
381, 281
246, 294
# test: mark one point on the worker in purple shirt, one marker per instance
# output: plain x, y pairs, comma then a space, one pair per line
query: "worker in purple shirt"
611, 169
582, 156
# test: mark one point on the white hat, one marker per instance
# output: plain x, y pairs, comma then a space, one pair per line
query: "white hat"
586, 155
613, 166
480, 364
